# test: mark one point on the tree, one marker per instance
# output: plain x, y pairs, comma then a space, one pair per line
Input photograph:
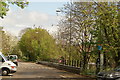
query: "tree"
107, 29
93, 24
78, 24
7, 42
4, 6
38, 44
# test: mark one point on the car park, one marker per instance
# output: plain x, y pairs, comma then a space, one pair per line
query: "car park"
6, 66
109, 75
14, 59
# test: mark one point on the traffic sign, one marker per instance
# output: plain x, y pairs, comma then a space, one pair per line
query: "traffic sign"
99, 47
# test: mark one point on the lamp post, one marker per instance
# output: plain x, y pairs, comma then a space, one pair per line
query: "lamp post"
38, 42
58, 34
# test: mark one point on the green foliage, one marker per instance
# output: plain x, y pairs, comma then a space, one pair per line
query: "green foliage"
4, 6
92, 24
8, 42
16, 51
38, 44
107, 29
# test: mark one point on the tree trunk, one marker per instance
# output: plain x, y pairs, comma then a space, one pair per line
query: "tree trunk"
85, 62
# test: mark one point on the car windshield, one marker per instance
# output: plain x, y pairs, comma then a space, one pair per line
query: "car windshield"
12, 57
4, 57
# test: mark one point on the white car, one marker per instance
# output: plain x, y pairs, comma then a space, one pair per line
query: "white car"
6, 66
14, 59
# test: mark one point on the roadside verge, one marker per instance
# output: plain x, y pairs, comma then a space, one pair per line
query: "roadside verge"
63, 67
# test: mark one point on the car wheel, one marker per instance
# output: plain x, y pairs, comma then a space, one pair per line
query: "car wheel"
5, 72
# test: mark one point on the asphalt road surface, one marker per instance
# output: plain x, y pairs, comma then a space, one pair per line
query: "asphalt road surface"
33, 71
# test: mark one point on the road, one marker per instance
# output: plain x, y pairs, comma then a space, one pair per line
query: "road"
33, 71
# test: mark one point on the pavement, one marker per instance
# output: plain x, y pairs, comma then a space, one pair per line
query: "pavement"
33, 71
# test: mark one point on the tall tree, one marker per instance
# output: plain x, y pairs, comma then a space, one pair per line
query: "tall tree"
77, 26
93, 23
107, 28
7, 42
38, 44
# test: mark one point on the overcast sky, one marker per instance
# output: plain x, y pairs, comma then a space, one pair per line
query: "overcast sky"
37, 13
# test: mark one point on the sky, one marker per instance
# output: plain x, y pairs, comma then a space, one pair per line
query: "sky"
37, 13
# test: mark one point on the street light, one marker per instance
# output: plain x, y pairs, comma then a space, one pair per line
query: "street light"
58, 33
58, 10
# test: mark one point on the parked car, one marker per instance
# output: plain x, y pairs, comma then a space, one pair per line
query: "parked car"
109, 75
14, 59
6, 66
